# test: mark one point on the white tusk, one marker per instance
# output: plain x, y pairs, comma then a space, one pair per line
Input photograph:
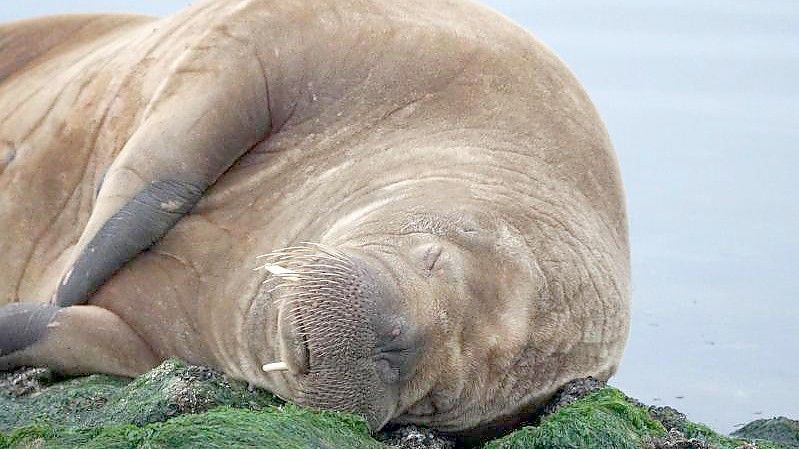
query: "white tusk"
277, 366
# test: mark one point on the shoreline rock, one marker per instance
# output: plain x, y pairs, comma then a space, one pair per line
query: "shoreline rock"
781, 430
183, 406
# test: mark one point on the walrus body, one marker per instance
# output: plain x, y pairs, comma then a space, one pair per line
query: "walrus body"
469, 249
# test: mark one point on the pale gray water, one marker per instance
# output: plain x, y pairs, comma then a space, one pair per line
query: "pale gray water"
702, 101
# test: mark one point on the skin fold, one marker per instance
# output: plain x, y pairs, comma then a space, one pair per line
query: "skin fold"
436, 203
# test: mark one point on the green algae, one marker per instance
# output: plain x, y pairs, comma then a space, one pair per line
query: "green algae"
607, 419
672, 419
284, 427
174, 405
182, 406
780, 430
718, 441
78, 401
604, 419
171, 389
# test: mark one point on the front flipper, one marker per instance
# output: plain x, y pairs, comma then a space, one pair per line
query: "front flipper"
133, 229
22, 325
206, 115
72, 340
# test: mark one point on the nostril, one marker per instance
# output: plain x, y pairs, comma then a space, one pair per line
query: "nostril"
397, 345
395, 364
388, 372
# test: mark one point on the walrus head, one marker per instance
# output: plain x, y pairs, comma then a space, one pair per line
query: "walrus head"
410, 314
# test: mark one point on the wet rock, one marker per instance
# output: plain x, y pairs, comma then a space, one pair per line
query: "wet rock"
412, 437
25, 381
747, 446
676, 440
602, 419
607, 418
571, 392
179, 405
780, 430
670, 418
171, 389
174, 405
175, 388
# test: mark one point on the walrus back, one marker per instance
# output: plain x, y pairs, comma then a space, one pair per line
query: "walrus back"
24, 42
25, 47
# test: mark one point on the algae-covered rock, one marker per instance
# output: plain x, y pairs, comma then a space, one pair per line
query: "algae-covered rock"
182, 406
781, 430
174, 405
700, 432
284, 427
171, 389
604, 419
608, 419
413, 437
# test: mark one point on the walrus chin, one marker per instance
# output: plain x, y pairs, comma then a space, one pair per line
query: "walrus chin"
342, 342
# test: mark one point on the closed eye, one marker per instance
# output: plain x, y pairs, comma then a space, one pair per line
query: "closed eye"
432, 256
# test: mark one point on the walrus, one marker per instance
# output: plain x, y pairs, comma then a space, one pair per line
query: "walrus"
406, 210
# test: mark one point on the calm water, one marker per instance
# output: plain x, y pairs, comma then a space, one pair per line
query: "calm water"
702, 101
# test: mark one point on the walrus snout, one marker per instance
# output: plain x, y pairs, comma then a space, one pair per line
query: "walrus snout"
343, 343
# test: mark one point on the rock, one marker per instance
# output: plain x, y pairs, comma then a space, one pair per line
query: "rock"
285, 427
171, 389
174, 405
675, 440
182, 406
603, 419
574, 390
606, 418
25, 380
780, 430
412, 437
669, 417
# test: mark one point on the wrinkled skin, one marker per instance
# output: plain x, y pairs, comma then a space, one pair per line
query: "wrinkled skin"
468, 249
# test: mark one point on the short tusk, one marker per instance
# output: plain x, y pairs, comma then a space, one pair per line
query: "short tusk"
277, 366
